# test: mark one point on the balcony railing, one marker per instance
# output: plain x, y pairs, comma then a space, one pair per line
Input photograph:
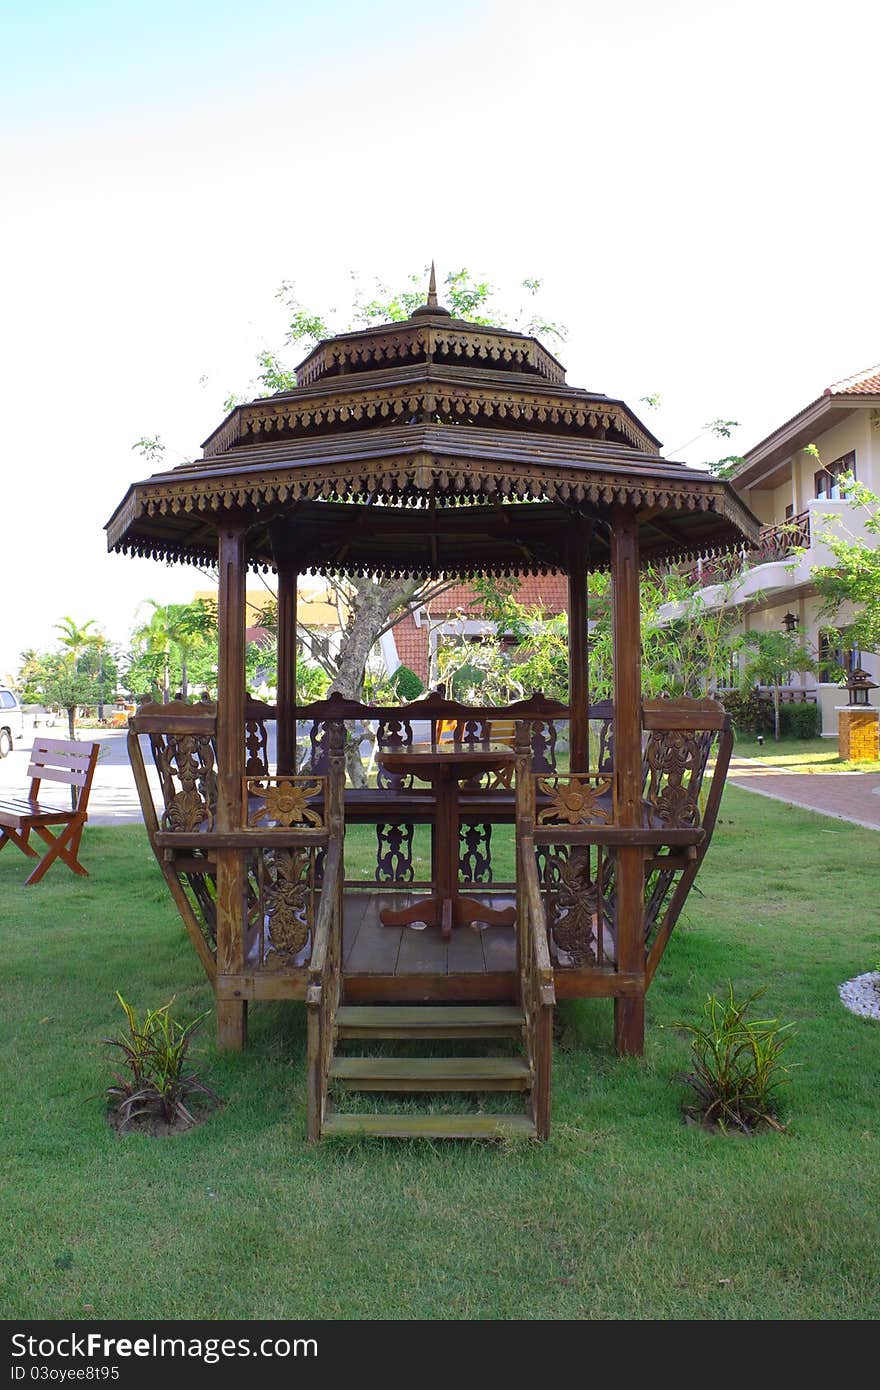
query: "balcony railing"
777, 542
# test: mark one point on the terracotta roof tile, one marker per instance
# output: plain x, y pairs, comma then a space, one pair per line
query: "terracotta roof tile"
548, 590
866, 383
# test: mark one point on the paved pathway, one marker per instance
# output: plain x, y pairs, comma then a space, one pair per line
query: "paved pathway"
852, 796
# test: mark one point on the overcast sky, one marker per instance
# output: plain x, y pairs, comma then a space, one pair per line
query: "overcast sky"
695, 181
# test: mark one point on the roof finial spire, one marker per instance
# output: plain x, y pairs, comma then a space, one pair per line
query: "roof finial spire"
431, 305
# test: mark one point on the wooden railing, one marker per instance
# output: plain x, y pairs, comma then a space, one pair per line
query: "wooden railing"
324, 987
535, 968
776, 542
536, 987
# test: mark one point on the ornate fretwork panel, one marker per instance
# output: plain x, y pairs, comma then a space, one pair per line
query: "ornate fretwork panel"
285, 909
256, 754
675, 761
391, 736
576, 879
394, 852
188, 778
576, 798
475, 851
283, 803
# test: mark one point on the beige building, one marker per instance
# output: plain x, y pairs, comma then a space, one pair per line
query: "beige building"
791, 481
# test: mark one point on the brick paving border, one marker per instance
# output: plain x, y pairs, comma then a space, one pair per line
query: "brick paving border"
846, 796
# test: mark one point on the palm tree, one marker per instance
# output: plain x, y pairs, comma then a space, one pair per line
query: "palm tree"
154, 637
180, 628
75, 638
69, 683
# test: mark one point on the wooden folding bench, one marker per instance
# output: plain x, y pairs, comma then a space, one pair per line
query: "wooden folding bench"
52, 760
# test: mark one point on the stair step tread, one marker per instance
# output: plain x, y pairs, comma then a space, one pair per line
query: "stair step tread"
414, 1020
429, 1066
432, 1126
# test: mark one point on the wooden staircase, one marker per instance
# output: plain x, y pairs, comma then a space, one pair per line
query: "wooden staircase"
473, 1062
428, 1074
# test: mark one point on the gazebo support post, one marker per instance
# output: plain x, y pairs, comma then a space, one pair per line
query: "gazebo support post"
578, 691
629, 1010
232, 557
285, 697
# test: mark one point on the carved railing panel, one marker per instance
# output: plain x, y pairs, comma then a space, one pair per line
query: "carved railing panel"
543, 741
284, 803
602, 736
578, 884
317, 757
675, 761
188, 778
394, 852
392, 735
256, 750
475, 851
285, 907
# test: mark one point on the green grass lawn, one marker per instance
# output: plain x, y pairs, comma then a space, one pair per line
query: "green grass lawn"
626, 1212
802, 755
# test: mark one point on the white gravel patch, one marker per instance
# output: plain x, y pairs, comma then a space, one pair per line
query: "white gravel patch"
862, 995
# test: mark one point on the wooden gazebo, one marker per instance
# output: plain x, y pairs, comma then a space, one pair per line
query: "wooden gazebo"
431, 447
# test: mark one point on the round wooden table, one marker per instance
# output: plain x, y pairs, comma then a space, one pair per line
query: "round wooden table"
444, 765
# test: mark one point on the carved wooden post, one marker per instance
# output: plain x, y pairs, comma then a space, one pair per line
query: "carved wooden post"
578, 687
629, 1010
232, 555
285, 699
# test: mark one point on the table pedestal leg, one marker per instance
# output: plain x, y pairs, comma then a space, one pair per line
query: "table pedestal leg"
446, 907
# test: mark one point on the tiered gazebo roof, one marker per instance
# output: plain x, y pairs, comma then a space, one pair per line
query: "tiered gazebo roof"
442, 416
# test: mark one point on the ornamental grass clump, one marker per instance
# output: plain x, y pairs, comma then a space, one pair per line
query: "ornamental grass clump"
737, 1065
155, 1088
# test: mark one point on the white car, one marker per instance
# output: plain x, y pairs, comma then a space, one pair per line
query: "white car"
11, 721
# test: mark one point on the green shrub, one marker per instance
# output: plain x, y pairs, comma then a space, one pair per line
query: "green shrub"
737, 1064
748, 714
407, 684
802, 720
466, 681
155, 1084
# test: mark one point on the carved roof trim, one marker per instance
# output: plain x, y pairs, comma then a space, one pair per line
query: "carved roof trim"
428, 335
347, 404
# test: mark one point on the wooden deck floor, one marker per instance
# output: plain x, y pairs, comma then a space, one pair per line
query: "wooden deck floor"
406, 963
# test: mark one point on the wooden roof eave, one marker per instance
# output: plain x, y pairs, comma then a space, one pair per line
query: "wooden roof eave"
478, 471
343, 403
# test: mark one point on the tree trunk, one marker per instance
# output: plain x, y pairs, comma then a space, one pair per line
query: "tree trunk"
371, 604
184, 675
776, 713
